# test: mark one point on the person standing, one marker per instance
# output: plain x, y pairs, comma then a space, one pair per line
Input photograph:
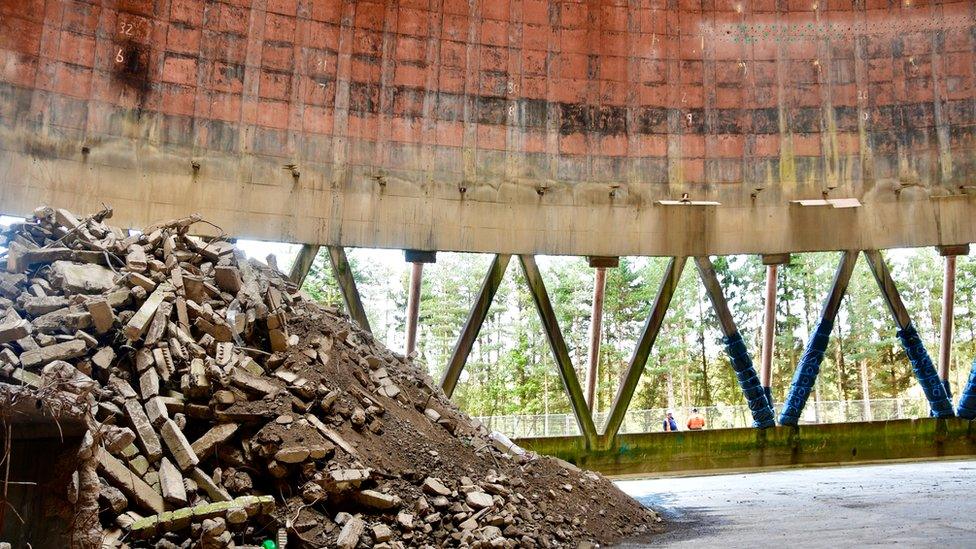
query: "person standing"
696, 422
669, 423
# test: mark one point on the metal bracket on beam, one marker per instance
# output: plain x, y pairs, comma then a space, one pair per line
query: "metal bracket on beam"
419, 256
643, 349
956, 249
347, 285
776, 259
559, 350
303, 263
599, 261
476, 318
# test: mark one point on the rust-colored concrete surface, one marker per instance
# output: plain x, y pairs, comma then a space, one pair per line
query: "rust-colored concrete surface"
520, 126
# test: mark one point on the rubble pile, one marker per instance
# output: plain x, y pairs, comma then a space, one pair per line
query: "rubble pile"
222, 409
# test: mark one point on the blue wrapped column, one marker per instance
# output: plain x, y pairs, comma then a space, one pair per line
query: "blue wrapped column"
806, 373
967, 402
762, 412
925, 371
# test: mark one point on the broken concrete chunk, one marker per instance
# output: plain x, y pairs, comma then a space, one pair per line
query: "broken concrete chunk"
139, 322
197, 378
343, 479
228, 278
292, 454
377, 500
149, 384
213, 490
58, 351
13, 331
118, 475
25, 377
136, 259
349, 535
81, 278
178, 446
144, 430
103, 357
156, 411
478, 500
121, 387
252, 383
224, 352
435, 487
332, 435
37, 306
405, 520
219, 331
65, 320
112, 497
171, 482
142, 281
163, 362
102, 316
219, 434
381, 533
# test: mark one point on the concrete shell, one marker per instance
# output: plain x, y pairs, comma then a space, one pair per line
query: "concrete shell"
522, 126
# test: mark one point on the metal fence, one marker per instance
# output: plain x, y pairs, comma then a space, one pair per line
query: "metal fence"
716, 417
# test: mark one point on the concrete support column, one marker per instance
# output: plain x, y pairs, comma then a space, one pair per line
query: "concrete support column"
596, 324
772, 263
948, 301
948, 297
416, 259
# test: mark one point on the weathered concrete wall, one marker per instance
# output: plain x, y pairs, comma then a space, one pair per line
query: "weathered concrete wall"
519, 126
736, 449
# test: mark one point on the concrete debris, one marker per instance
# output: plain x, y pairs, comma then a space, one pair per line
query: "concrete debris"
302, 423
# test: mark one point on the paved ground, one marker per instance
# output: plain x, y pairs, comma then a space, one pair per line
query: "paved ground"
916, 504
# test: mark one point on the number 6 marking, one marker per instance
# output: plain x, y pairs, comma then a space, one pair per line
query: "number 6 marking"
118, 56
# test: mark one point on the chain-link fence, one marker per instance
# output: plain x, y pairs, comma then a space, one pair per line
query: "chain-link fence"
716, 417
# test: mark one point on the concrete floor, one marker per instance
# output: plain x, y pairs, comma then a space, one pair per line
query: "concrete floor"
916, 504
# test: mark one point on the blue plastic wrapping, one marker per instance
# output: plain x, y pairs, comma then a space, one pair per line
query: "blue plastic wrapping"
925, 372
948, 389
806, 373
769, 395
762, 412
967, 402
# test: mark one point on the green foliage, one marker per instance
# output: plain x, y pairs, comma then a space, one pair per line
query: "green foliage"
511, 370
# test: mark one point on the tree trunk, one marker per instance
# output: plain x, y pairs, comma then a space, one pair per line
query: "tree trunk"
865, 392
841, 364
706, 393
816, 401
685, 391
670, 380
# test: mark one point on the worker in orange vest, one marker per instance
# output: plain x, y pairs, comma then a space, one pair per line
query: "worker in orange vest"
696, 422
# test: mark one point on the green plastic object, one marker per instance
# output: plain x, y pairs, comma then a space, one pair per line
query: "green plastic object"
269, 544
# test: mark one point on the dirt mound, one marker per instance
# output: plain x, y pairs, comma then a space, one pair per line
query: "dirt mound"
223, 409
